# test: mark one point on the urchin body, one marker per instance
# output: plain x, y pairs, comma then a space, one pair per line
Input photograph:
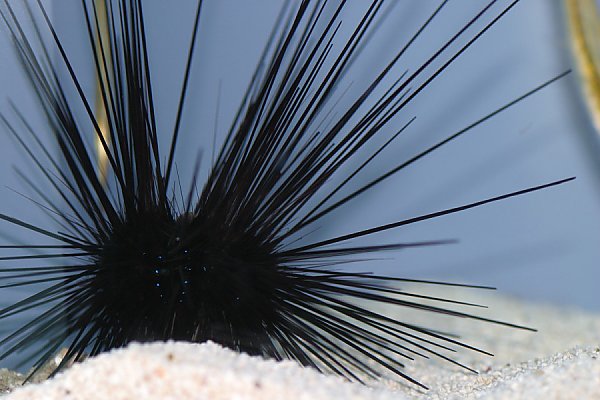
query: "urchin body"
162, 277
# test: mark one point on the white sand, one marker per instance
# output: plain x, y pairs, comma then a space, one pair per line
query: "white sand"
562, 361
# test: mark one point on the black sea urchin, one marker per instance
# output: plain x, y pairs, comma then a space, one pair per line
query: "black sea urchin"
234, 263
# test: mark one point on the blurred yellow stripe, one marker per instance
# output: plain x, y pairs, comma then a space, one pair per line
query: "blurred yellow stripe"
101, 114
584, 30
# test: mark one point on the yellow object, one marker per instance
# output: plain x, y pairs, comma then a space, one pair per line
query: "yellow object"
584, 30
101, 115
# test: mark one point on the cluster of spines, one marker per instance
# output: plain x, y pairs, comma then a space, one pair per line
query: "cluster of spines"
236, 263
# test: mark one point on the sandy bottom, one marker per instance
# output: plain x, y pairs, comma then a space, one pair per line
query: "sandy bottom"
561, 361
